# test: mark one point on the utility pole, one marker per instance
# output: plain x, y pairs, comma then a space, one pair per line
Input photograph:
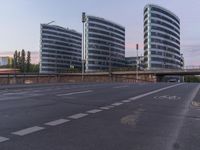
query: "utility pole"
137, 47
110, 67
83, 45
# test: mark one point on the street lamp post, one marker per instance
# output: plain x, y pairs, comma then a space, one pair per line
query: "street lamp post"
83, 45
137, 47
110, 67
110, 57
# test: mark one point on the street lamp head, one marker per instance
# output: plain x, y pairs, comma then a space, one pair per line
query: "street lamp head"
137, 46
83, 17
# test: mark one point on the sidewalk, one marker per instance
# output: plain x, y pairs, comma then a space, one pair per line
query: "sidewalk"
196, 100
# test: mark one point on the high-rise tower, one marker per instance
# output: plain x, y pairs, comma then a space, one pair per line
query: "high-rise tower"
60, 49
104, 44
161, 38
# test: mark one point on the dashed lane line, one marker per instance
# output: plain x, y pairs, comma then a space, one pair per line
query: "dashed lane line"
28, 130
57, 122
126, 101
81, 92
94, 111
105, 108
81, 115
77, 116
111, 106
117, 104
3, 139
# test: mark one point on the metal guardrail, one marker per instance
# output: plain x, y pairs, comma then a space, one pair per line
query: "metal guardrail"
192, 67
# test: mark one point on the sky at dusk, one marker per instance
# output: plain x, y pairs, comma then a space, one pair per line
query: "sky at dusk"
20, 22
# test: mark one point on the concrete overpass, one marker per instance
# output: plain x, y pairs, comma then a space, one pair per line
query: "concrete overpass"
177, 72
164, 72
160, 74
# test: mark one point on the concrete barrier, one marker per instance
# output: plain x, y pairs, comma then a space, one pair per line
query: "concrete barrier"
74, 78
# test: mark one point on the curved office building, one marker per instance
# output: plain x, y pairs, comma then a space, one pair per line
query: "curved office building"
161, 38
105, 44
60, 49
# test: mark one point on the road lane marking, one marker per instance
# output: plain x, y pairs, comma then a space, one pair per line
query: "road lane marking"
153, 92
81, 92
15, 93
117, 104
105, 108
167, 97
8, 94
28, 130
57, 122
94, 111
77, 116
126, 101
118, 87
3, 139
111, 106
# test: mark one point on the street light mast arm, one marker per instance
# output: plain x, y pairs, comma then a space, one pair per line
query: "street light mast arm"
50, 22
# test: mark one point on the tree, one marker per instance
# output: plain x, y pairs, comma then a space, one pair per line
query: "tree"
28, 61
12, 63
15, 60
34, 68
19, 60
192, 78
23, 60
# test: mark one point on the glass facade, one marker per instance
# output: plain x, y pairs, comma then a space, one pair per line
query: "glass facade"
161, 39
105, 44
60, 49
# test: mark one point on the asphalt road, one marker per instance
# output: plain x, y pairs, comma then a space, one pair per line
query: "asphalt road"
112, 116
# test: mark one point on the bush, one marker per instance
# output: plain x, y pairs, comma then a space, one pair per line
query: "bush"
192, 78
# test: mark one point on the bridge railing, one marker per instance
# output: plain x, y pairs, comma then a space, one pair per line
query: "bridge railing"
191, 68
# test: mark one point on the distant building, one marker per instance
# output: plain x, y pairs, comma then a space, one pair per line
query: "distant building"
9, 71
105, 44
161, 39
5, 61
60, 49
132, 62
